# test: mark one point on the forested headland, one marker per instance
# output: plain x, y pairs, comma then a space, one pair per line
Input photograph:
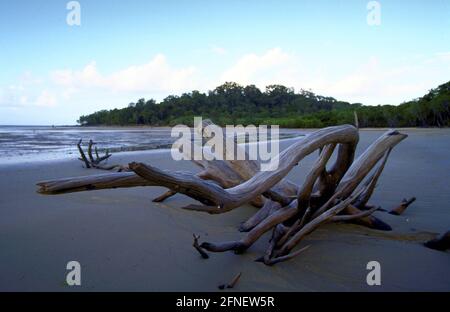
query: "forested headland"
232, 103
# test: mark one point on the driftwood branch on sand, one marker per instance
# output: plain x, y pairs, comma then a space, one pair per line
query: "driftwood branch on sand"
90, 161
336, 192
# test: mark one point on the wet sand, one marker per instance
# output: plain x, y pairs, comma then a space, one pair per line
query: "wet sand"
126, 242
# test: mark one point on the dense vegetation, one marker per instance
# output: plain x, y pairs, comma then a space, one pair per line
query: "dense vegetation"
231, 103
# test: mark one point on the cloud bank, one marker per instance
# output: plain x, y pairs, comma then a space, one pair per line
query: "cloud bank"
86, 89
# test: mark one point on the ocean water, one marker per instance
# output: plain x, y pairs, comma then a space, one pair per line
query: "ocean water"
34, 143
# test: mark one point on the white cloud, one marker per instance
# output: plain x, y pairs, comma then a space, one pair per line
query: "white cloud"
46, 99
275, 66
377, 83
155, 76
25, 93
260, 69
358, 82
19, 96
371, 82
72, 92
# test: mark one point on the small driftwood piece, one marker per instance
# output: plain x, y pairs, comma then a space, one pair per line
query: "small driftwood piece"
402, 207
336, 192
198, 248
232, 283
442, 242
96, 162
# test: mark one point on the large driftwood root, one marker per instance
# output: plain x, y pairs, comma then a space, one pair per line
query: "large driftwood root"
337, 192
96, 162
340, 199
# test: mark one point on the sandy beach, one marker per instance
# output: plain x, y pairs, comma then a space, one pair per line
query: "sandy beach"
125, 242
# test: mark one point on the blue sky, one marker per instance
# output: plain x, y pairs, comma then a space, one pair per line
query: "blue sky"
51, 73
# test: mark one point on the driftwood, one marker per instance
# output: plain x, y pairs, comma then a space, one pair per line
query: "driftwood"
232, 283
402, 207
442, 242
330, 193
198, 248
96, 162
228, 173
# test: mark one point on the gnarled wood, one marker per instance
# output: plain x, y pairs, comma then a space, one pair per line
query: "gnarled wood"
96, 162
268, 208
333, 206
226, 200
293, 211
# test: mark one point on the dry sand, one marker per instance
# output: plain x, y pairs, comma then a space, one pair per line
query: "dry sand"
126, 242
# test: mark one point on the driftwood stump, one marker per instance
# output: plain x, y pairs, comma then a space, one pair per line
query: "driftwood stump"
337, 192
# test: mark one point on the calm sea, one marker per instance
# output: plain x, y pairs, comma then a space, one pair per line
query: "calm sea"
31, 143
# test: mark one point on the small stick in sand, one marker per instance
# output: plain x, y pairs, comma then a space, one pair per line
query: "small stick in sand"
402, 207
232, 283
198, 248
442, 242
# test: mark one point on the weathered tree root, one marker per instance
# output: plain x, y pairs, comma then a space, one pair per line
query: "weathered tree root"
331, 193
442, 242
95, 162
327, 212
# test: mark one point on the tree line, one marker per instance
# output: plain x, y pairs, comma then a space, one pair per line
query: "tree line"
232, 103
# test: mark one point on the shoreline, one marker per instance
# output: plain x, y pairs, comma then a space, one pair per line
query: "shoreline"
60, 155
169, 127
71, 153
